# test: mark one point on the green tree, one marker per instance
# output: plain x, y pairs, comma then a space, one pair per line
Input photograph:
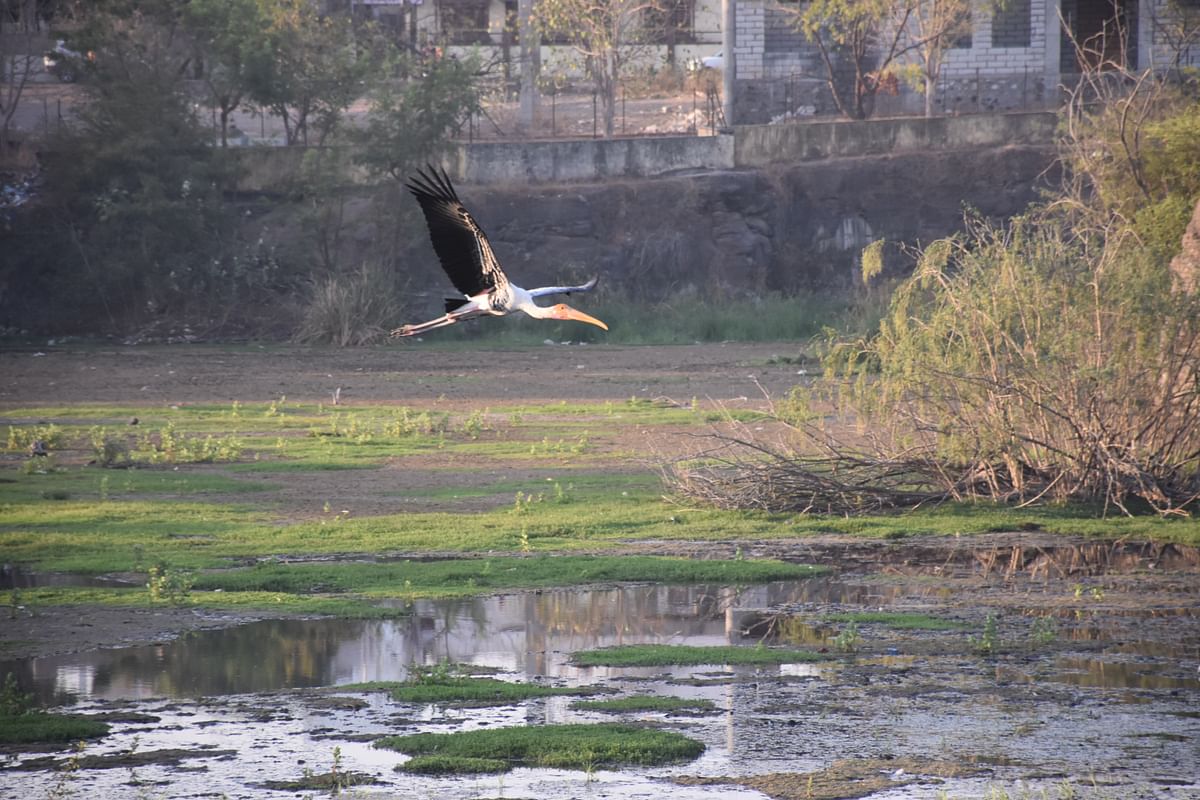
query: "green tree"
410, 121
231, 40
318, 69
139, 222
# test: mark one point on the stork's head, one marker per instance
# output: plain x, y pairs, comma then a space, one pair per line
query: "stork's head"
564, 312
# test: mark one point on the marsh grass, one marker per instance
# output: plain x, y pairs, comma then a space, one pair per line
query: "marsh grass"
471, 576
354, 589
670, 655
584, 747
38, 726
203, 516
281, 602
473, 691
644, 702
453, 765
898, 621
95, 536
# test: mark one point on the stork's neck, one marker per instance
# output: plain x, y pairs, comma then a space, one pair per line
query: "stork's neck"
537, 312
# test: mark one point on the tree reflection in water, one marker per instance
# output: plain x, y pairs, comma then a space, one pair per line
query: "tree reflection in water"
532, 633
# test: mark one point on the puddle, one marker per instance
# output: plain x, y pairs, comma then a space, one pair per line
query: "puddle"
1114, 704
16, 577
531, 633
1108, 673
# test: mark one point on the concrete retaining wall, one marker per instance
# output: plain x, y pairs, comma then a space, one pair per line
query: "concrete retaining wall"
270, 169
759, 145
589, 159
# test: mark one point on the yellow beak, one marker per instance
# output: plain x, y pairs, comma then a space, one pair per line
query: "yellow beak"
579, 316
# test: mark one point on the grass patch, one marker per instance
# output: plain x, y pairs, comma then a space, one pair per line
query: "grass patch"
672, 655
584, 747
94, 521
278, 602
38, 726
453, 765
95, 536
353, 589
898, 621
461, 689
645, 702
91, 485
472, 576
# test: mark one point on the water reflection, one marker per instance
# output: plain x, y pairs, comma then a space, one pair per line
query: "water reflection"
529, 633
16, 577
1091, 558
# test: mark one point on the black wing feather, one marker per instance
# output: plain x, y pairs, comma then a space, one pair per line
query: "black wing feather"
461, 245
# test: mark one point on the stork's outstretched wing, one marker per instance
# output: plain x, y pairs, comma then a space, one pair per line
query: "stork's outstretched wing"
567, 290
460, 244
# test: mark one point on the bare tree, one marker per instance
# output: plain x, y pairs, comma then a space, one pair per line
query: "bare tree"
1176, 24
607, 34
932, 27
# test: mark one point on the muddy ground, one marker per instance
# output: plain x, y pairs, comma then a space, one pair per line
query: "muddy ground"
416, 374
1092, 680
54, 373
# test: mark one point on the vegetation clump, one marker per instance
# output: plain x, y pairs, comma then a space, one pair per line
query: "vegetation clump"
473, 575
663, 655
445, 684
453, 765
645, 702
585, 747
40, 726
897, 620
22, 723
1053, 358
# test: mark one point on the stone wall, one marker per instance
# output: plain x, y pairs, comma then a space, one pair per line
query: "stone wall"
270, 169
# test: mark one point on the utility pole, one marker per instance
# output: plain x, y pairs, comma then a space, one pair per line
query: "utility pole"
728, 54
531, 65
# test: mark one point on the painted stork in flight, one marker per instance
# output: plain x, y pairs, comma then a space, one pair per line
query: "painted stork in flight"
463, 249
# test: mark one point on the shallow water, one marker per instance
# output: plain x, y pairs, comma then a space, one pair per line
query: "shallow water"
1109, 702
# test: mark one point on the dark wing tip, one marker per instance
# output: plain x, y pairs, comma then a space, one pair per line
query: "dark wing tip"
433, 182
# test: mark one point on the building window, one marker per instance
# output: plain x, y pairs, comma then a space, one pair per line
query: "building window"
961, 33
465, 21
1011, 24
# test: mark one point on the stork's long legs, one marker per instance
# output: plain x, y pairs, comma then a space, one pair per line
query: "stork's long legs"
471, 309
441, 322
